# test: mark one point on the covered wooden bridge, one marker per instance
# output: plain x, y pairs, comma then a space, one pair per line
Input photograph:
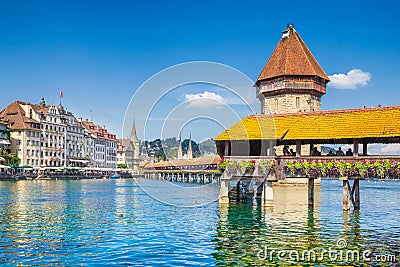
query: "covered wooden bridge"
260, 138
198, 170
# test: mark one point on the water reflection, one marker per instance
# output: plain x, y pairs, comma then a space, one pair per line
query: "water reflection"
47, 223
290, 223
246, 234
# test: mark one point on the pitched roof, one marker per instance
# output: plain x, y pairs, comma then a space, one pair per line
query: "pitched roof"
291, 57
98, 131
381, 122
208, 160
15, 116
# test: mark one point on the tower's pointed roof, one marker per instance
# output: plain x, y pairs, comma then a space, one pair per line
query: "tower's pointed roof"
134, 137
180, 153
291, 57
190, 150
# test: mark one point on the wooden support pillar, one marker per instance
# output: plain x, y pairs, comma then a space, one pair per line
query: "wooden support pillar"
227, 148
311, 192
356, 190
267, 199
255, 190
298, 148
355, 148
223, 192
238, 192
365, 148
265, 148
346, 191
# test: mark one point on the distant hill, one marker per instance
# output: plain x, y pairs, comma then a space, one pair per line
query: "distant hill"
208, 148
326, 149
168, 148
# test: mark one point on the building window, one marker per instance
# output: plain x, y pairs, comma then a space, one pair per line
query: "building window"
297, 102
276, 103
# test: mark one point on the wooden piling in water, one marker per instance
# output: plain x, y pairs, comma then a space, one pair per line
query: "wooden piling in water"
223, 192
311, 192
346, 191
267, 198
356, 190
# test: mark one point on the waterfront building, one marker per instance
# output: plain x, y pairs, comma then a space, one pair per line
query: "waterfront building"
104, 145
4, 136
125, 152
53, 133
88, 145
75, 141
49, 135
24, 132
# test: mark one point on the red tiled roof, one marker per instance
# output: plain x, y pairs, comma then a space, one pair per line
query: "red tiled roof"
15, 116
291, 57
98, 131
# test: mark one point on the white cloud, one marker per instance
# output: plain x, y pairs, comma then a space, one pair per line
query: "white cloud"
352, 80
205, 99
381, 149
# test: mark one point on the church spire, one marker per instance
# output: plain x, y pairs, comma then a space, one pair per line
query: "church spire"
190, 151
134, 137
180, 154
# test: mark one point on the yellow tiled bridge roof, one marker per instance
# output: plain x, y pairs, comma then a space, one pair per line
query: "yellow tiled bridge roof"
364, 123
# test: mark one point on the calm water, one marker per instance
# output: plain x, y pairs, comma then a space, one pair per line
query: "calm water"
114, 222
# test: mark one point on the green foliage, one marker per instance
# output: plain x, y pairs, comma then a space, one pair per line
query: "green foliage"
267, 167
247, 166
10, 158
230, 166
160, 155
122, 166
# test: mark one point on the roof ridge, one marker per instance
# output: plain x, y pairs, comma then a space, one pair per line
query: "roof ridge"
332, 111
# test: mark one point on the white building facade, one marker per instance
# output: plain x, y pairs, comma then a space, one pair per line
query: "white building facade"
49, 136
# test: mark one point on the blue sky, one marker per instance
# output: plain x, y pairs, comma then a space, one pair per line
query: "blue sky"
100, 52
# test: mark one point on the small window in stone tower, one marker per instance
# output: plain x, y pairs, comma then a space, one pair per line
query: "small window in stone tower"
297, 102
276, 103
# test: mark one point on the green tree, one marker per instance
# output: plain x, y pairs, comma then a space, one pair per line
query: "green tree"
122, 166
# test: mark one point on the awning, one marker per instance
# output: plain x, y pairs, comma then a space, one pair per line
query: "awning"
4, 142
79, 160
4, 167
